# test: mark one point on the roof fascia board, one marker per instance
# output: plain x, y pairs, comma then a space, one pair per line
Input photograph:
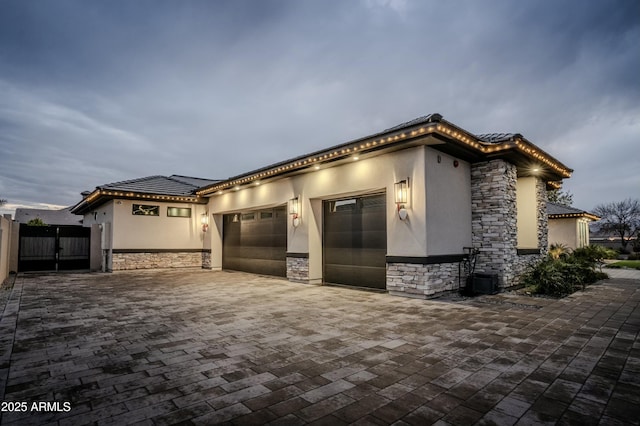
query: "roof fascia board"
100, 196
435, 126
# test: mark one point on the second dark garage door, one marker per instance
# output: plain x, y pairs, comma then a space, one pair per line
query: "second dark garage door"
256, 242
355, 241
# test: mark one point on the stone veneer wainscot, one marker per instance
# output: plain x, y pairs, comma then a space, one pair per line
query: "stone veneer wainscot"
422, 280
298, 267
121, 261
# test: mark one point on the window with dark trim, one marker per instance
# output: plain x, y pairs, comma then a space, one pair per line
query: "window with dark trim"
178, 212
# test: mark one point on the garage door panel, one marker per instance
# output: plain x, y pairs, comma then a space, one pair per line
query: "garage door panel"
256, 242
355, 241
360, 276
372, 258
257, 266
336, 256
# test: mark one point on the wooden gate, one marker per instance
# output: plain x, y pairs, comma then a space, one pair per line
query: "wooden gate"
53, 248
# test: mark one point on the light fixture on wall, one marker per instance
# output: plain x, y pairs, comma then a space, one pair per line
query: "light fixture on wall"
401, 190
294, 210
204, 220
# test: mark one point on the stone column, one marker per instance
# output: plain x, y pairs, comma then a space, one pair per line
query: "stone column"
493, 218
494, 221
543, 218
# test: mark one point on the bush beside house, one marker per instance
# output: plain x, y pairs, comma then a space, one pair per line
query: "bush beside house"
562, 272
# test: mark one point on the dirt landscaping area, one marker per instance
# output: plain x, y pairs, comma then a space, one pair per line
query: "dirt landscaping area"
199, 347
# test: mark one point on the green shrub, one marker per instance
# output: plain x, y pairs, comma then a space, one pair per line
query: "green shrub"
594, 253
548, 277
562, 275
558, 251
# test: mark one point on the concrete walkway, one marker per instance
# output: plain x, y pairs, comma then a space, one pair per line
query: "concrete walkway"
631, 274
199, 347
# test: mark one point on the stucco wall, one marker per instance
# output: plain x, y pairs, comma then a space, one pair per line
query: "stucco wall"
5, 247
563, 231
566, 231
439, 205
156, 232
102, 214
128, 241
527, 212
448, 198
373, 175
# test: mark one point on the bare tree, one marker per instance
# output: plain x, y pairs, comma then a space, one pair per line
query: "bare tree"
2, 202
621, 218
560, 197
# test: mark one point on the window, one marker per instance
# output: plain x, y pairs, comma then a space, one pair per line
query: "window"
343, 205
145, 210
178, 212
248, 216
266, 215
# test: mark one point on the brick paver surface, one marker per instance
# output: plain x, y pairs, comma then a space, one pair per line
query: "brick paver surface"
200, 347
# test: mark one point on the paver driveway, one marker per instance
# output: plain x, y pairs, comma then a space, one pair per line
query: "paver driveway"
163, 347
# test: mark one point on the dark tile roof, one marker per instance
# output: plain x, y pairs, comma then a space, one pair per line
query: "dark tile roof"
416, 121
50, 217
497, 137
161, 185
555, 209
198, 182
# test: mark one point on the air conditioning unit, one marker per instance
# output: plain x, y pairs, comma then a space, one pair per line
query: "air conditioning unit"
484, 284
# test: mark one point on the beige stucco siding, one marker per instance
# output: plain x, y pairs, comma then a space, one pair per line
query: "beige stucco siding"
571, 232
150, 232
365, 176
439, 205
6, 227
527, 212
563, 231
102, 215
448, 201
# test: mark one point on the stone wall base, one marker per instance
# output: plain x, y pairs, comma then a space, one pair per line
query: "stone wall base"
422, 281
127, 261
298, 269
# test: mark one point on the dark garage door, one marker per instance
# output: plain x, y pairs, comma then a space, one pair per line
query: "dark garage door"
256, 242
355, 241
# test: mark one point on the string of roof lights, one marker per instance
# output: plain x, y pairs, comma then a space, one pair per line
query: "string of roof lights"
574, 215
352, 151
102, 192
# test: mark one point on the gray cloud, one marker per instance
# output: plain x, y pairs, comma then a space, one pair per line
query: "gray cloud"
95, 92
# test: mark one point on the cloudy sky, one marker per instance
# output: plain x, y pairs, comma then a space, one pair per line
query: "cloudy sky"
93, 92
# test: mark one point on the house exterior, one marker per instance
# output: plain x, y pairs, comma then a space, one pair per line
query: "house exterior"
401, 210
149, 222
332, 215
569, 226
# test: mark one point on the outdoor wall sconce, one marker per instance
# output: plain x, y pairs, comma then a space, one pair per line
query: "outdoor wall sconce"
294, 210
401, 190
204, 220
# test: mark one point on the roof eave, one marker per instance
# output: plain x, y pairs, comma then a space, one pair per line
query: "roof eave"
517, 149
101, 196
